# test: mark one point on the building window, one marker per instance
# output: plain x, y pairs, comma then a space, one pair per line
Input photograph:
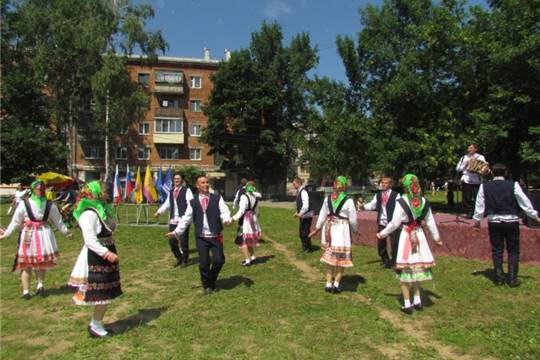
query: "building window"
196, 82
94, 152
168, 126
195, 154
196, 130
143, 152
121, 153
166, 102
168, 152
144, 128
144, 79
169, 77
195, 105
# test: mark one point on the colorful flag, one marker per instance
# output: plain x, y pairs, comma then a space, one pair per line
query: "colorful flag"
117, 189
138, 187
129, 186
149, 190
167, 183
159, 186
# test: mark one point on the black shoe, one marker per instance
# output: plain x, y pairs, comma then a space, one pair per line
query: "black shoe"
40, 292
305, 251
184, 263
178, 263
418, 307
246, 263
407, 310
26, 296
208, 290
328, 289
513, 283
95, 335
336, 290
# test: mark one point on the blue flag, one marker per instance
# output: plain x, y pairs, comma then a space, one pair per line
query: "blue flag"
158, 184
166, 186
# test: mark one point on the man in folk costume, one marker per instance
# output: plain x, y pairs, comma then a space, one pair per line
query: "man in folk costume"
500, 201
337, 218
384, 202
208, 212
37, 247
414, 259
470, 181
177, 204
96, 274
303, 213
249, 229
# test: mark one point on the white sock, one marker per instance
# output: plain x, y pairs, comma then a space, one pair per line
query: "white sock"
407, 303
328, 284
26, 292
98, 327
39, 285
417, 300
336, 284
253, 257
247, 261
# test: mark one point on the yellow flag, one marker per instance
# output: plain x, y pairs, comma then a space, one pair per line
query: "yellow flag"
149, 189
138, 187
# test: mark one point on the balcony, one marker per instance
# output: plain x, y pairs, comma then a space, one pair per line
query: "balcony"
169, 112
169, 82
168, 138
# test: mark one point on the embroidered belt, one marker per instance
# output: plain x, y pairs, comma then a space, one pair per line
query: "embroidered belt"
33, 227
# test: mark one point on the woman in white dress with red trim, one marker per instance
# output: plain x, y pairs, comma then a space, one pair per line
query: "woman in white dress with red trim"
249, 229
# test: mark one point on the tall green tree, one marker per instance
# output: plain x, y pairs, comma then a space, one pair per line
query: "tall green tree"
258, 102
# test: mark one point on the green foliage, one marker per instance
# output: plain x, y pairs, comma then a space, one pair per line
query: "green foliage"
189, 174
257, 102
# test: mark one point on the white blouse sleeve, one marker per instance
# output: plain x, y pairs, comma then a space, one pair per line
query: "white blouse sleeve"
184, 221
372, 205
432, 226
90, 227
323, 214
242, 207
56, 218
351, 214
398, 218
17, 220
224, 211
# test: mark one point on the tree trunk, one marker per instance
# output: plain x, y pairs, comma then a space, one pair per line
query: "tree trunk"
107, 140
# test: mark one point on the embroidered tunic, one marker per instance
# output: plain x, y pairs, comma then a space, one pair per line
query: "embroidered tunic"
249, 229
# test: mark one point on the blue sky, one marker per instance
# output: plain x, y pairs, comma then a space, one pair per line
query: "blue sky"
189, 26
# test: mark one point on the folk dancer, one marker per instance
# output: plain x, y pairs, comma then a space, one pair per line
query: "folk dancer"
208, 212
96, 274
384, 202
304, 214
177, 205
337, 218
239, 192
37, 247
500, 200
414, 259
249, 229
470, 181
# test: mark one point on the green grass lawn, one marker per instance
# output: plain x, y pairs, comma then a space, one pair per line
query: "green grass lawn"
276, 309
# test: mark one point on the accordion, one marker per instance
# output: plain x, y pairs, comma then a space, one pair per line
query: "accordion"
478, 166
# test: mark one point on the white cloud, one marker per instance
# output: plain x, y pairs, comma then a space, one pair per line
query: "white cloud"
274, 9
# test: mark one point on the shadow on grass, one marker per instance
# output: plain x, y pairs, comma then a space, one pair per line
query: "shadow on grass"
426, 295
262, 259
62, 290
143, 317
233, 281
351, 282
490, 274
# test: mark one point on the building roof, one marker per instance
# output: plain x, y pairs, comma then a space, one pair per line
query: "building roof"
179, 60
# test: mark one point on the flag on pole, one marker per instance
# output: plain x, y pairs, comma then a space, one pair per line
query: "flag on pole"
129, 186
117, 189
138, 187
149, 190
167, 183
159, 185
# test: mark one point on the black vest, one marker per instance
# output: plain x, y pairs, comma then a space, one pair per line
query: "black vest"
499, 198
299, 201
331, 210
250, 207
212, 215
390, 205
31, 216
181, 202
409, 213
105, 231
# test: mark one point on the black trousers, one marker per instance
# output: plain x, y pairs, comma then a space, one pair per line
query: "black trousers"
210, 266
305, 227
184, 243
468, 200
382, 245
499, 235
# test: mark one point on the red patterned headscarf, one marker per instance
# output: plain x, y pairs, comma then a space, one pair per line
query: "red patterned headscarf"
413, 192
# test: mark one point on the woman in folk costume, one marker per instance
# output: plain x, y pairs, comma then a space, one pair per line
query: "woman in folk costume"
249, 229
414, 259
37, 245
337, 219
96, 273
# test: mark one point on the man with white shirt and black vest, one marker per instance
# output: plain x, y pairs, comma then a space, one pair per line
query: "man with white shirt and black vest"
208, 212
500, 201
384, 202
304, 213
176, 203
470, 181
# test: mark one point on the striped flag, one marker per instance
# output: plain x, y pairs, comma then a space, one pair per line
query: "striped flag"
129, 186
167, 183
149, 189
117, 188
138, 187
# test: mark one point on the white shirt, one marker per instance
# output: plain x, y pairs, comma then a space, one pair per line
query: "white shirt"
166, 206
237, 197
469, 177
243, 205
304, 213
372, 205
187, 219
400, 216
90, 227
20, 216
522, 200
348, 211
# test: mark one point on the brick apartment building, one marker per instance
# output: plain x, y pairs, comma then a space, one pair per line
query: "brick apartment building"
170, 132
